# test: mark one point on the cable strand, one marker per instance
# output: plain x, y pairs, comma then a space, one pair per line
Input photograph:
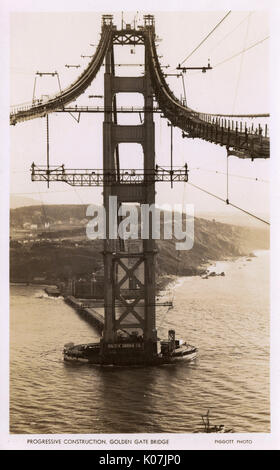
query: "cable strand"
229, 203
208, 35
241, 52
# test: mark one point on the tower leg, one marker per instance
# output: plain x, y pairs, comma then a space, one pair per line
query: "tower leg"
130, 322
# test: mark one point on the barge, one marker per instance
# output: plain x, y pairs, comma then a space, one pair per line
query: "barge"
132, 350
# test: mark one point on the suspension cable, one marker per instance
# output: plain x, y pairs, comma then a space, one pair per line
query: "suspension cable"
229, 203
43, 210
241, 63
208, 35
251, 116
227, 175
179, 259
228, 34
241, 52
260, 180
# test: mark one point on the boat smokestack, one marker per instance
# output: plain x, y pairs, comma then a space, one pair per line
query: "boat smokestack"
171, 338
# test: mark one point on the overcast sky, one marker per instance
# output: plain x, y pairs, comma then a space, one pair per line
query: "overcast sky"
47, 41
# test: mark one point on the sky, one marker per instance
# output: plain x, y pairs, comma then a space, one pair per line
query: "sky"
47, 41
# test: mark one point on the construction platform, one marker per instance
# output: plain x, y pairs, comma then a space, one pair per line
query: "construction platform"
127, 349
132, 350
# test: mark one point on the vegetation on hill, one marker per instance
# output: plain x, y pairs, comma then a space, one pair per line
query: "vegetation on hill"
62, 253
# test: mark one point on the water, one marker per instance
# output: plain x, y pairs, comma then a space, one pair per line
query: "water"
226, 317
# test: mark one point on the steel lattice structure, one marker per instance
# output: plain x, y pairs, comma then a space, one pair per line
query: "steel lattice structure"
238, 139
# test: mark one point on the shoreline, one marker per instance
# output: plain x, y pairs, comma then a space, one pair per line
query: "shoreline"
164, 280
169, 281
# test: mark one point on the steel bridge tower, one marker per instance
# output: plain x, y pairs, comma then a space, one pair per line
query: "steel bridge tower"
120, 266
129, 333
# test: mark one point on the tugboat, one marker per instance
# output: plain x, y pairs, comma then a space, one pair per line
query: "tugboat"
131, 350
176, 349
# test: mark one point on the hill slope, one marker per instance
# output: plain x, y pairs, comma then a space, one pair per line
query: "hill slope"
64, 250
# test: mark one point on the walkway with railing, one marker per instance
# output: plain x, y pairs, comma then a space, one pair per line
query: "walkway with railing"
239, 137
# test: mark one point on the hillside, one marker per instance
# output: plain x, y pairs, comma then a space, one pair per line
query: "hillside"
16, 200
63, 250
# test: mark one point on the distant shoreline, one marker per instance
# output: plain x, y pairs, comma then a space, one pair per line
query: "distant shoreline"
163, 281
32, 284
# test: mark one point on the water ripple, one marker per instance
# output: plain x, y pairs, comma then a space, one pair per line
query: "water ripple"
229, 323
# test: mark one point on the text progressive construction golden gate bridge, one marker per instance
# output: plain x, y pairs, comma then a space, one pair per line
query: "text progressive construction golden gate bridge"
138, 186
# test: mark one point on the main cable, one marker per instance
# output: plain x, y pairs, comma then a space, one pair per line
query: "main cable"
228, 34
260, 180
241, 63
228, 203
241, 52
208, 35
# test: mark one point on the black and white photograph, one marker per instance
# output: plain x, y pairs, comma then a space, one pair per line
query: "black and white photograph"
140, 182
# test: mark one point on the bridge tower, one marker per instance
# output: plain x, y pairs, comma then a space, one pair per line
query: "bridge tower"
129, 333
126, 263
